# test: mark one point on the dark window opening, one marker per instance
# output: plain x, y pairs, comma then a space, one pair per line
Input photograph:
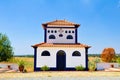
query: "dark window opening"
45, 53
65, 31
69, 31
51, 37
55, 31
51, 31
69, 37
76, 53
72, 31
48, 31
60, 35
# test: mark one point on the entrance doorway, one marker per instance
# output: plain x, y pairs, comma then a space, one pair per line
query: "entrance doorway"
61, 60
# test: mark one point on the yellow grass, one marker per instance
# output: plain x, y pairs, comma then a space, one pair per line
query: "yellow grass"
29, 62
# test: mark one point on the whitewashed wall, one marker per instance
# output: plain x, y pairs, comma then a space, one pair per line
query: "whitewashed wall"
71, 61
60, 39
102, 66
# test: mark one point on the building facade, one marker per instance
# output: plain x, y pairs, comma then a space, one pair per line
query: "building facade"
60, 49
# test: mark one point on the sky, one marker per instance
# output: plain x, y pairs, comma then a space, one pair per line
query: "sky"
21, 21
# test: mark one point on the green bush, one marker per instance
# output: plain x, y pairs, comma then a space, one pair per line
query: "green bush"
92, 66
79, 68
97, 60
45, 68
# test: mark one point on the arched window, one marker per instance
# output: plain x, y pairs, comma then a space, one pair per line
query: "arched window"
51, 37
69, 37
76, 53
45, 53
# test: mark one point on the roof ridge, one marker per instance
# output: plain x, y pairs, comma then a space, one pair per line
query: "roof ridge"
60, 23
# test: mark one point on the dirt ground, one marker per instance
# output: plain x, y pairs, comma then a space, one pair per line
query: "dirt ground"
61, 74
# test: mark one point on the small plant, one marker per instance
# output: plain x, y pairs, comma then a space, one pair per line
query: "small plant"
118, 60
79, 68
21, 64
91, 66
45, 68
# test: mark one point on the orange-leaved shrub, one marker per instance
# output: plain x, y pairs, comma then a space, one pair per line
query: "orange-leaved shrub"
108, 54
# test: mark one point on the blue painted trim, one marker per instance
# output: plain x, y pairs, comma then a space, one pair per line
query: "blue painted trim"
86, 56
35, 58
37, 69
55, 69
70, 69
76, 36
45, 35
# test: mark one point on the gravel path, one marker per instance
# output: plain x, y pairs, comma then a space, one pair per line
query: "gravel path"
63, 75
65, 78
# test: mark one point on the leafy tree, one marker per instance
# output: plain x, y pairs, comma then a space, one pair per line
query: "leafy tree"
108, 54
6, 50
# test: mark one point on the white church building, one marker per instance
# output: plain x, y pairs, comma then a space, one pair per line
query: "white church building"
60, 49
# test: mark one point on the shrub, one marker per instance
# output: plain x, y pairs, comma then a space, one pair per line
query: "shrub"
92, 66
79, 68
97, 60
45, 68
118, 60
108, 54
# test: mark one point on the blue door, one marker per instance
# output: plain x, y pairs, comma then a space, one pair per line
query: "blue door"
61, 60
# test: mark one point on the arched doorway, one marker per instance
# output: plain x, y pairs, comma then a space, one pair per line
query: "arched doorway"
61, 60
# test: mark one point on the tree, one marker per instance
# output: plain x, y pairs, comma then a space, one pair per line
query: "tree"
108, 54
6, 50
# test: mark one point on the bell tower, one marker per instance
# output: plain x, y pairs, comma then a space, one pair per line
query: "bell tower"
60, 31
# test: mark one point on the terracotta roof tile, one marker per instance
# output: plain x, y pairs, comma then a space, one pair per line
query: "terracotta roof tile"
60, 45
60, 23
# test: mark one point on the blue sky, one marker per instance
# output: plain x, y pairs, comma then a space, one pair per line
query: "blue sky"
21, 21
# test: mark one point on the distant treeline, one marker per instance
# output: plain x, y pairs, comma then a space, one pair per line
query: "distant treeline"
89, 55
94, 55
23, 55
98, 55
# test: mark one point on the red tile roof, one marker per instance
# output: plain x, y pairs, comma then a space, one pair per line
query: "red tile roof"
60, 45
60, 23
